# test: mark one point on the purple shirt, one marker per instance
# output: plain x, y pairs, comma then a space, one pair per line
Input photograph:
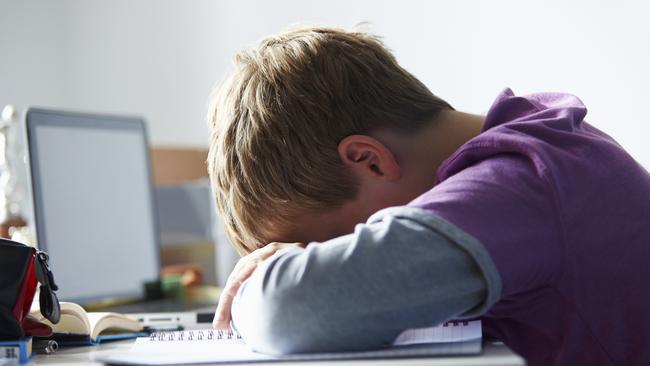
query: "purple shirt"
564, 213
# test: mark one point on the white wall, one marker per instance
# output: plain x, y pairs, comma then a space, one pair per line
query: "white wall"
160, 59
32, 67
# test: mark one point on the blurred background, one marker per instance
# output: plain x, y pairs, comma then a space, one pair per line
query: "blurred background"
160, 59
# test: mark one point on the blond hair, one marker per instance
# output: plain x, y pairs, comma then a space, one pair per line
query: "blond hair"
277, 121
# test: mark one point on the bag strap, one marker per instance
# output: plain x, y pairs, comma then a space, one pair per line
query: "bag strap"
49, 302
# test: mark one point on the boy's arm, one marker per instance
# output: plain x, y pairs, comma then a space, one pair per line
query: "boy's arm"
405, 268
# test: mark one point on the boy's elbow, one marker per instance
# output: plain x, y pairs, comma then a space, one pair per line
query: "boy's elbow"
278, 311
285, 325
279, 334
273, 323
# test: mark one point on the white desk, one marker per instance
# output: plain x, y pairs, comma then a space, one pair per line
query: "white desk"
494, 354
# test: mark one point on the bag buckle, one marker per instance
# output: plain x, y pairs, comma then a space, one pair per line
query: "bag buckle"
48, 300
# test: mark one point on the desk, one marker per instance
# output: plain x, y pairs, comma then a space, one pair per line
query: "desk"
494, 353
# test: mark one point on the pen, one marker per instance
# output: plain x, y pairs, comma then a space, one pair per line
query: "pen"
45, 346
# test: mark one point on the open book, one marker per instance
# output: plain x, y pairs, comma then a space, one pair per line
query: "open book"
212, 346
80, 327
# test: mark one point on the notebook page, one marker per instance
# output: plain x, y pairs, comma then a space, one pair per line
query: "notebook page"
196, 346
212, 346
452, 331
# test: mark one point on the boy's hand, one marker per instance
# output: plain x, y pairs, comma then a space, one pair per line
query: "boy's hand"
244, 268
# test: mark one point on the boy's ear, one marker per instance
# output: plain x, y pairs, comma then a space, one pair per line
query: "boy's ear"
368, 157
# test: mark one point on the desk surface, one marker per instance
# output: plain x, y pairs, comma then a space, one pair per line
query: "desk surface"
493, 354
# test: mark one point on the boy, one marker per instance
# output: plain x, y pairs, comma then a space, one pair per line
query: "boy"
528, 217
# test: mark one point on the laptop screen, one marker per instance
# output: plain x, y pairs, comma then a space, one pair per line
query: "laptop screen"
93, 203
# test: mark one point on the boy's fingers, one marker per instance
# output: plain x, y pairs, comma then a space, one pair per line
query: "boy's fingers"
272, 248
244, 269
222, 315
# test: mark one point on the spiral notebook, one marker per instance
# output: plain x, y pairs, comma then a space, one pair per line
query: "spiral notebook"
212, 346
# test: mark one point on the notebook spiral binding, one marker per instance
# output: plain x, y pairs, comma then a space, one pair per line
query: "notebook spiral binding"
195, 335
212, 334
455, 323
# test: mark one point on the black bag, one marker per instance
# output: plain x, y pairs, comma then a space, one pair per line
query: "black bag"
21, 267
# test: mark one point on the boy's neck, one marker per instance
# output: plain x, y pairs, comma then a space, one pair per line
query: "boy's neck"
426, 149
451, 131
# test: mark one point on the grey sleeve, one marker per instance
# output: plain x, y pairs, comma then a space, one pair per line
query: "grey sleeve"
405, 268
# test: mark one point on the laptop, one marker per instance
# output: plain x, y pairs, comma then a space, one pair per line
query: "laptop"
94, 212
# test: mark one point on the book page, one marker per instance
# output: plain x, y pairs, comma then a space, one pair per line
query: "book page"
101, 321
74, 319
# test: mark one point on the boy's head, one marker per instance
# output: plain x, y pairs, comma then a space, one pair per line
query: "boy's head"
294, 140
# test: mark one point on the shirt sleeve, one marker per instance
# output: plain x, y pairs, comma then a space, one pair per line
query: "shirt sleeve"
405, 268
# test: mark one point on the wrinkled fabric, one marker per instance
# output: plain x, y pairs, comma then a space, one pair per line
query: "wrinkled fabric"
405, 268
564, 213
